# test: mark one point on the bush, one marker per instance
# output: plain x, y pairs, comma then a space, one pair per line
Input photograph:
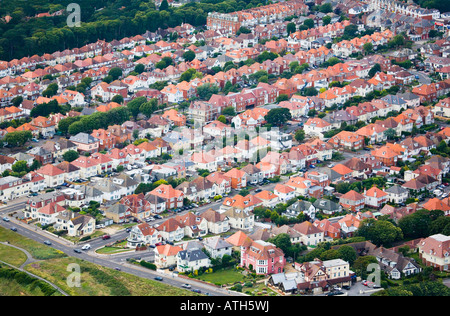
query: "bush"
147, 265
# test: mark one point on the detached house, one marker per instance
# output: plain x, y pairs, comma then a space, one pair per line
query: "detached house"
434, 251
143, 234
263, 257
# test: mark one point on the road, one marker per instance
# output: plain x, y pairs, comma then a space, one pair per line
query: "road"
114, 261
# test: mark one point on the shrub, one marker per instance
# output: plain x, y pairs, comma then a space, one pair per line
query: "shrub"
147, 265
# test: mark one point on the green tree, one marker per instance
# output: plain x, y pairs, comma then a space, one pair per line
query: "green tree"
70, 155
229, 111
222, 119
373, 71
309, 23
326, 20
380, 232
299, 135
149, 107
117, 98
139, 68
282, 97
205, 91
278, 116
390, 133
290, 28
135, 104
368, 48
18, 139
19, 166
115, 73
347, 253
189, 55
350, 31
164, 5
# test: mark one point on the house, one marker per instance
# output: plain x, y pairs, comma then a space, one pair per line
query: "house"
330, 230
192, 260
347, 140
268, 198
47, 214
85, 143
194, 226
352, 201
316, 127
166, 256
318, 276
310, 234
238, 178
217, 247
327, 207
262, 257
35, 203
174, 198
284, 192
46, 127
198, 189
240, 219
397, 194
299, 207
217, 223
143, 235
171, 230
118, 212
53, 176
434, 251
81, 225
139, 207
395, 265
375, 197
349, 224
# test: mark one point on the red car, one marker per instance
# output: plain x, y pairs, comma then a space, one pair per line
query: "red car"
106, 237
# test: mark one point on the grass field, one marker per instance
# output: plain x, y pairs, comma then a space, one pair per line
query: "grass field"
99, 281
12, 255
12, 288
225, 276
37, 250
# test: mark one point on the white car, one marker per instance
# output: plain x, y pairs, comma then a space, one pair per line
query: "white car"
86, 247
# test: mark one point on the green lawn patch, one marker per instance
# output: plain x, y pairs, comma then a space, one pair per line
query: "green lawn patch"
37, 250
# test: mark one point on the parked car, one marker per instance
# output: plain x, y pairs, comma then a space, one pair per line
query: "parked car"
105, 237
258, 190
77, 250
196, 291
13, 229
335, 293
158, 278
117, 268
6, 219
47, 242
186, 286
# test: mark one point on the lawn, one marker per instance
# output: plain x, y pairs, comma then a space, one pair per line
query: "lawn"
37, 250
96, 280
111, 250
12, 255
224, 276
